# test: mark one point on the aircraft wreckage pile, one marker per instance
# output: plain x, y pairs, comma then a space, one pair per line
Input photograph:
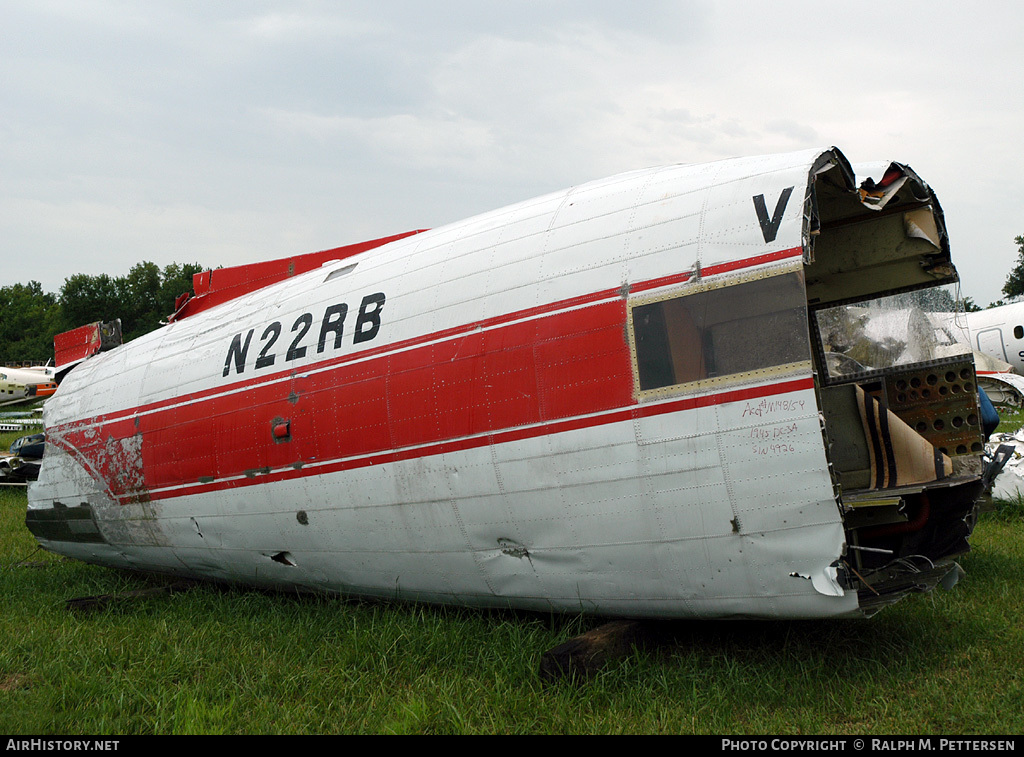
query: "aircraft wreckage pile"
23, 462
20, 386
646, 396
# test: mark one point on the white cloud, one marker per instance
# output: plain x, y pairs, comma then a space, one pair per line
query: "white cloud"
338, 120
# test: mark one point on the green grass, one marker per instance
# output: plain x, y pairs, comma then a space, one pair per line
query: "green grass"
212, 660
1010, 421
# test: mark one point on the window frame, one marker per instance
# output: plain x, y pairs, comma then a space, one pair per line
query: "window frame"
701, 286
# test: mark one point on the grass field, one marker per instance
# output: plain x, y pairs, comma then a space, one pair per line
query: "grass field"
210, 660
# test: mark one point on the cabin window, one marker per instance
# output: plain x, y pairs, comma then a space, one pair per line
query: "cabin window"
719, 330
1018, 332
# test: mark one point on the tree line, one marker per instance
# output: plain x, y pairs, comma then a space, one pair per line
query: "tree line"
1014, 286
142, 299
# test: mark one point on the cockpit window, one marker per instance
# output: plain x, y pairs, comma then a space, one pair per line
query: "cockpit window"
887, 332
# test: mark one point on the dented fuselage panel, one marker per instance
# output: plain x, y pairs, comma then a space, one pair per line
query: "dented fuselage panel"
614, 399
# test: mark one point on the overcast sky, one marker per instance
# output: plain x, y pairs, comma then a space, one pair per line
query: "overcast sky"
229, 132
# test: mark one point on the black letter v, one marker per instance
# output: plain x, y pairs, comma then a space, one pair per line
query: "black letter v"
769, 228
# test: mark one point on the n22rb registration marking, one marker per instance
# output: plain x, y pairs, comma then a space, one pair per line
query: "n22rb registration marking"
332, 323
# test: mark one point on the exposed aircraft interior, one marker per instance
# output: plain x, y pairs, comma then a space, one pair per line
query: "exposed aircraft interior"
900, 404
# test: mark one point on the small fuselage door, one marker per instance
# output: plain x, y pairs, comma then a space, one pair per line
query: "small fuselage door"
990, 342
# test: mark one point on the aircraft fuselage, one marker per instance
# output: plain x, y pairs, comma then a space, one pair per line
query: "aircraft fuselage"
614, 399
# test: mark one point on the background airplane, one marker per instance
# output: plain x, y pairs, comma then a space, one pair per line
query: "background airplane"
21, 385
997, 332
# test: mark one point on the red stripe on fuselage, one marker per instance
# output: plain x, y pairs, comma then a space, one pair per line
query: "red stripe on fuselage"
532, 373
508, 435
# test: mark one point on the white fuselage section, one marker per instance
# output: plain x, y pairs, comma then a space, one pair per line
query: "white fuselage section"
493, 413
997, 332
